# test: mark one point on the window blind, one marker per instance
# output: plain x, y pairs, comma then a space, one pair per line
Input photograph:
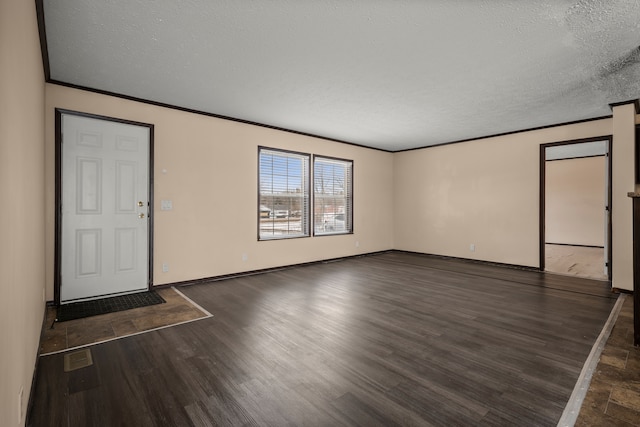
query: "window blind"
283, 198
333, 196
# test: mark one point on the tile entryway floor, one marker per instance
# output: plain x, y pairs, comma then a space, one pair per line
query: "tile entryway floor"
60, 336
613, 398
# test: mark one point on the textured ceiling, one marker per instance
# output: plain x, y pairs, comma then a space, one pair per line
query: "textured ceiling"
392, 74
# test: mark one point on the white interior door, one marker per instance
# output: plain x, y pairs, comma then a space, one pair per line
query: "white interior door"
105, 194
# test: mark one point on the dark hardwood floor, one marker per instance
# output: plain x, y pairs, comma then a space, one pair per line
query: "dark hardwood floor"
390, 339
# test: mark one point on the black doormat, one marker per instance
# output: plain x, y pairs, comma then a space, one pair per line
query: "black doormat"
78, 310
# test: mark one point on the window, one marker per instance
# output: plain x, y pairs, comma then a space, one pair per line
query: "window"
283, 201
332, 196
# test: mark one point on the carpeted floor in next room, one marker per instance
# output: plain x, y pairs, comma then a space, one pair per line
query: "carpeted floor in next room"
576, 261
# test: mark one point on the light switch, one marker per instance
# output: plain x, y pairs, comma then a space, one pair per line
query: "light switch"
166, 205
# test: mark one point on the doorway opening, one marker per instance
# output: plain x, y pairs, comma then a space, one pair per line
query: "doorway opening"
575, 214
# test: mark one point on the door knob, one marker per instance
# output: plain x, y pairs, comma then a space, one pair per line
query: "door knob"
141, 203
141, 215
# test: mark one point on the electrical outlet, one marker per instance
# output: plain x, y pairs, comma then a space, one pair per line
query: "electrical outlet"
165, 267
357, 244
245, 257
472, 247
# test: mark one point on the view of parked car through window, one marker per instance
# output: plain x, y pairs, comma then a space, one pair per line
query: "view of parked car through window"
283, 194
284, 202
332, 195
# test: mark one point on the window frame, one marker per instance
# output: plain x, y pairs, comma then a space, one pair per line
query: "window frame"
307, 186
350, 198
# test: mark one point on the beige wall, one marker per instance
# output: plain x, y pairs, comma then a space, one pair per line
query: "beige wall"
208, 168
22, 195
484, 192
623, 181
575, 201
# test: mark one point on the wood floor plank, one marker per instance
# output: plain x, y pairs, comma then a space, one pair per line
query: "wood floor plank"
390, 339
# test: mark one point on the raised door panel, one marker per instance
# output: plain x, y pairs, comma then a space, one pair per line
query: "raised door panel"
105, 193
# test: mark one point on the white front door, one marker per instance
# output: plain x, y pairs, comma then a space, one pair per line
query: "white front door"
104, 208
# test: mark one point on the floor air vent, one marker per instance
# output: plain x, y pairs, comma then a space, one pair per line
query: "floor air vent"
77, 359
